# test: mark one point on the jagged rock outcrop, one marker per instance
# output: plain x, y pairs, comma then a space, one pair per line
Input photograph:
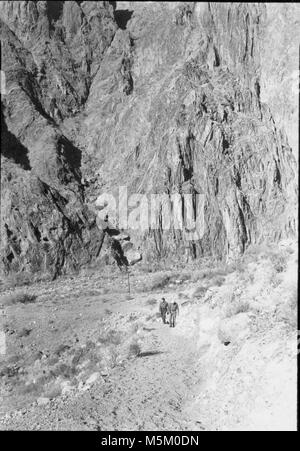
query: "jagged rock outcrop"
195, 122
50, 53
159, 97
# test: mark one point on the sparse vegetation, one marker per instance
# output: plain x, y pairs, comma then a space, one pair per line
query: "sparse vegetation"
17, 298
199, 292
218, 281
275, 280
236, 307
134, 349
159, 282
279, 262
151, 301
287, 312
19, 279
210, 273
111, 337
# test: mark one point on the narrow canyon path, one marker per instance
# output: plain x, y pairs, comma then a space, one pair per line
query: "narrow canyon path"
147, 393
151, 392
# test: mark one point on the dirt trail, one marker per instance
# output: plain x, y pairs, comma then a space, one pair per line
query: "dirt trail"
151, 393
227, 365
147, 393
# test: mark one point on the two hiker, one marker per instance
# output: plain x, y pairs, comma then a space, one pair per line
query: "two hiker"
171, 309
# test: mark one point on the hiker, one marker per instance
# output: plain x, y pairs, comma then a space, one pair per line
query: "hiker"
163, 308
173, 310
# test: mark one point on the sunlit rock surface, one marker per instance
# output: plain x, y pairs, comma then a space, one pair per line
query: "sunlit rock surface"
159, 97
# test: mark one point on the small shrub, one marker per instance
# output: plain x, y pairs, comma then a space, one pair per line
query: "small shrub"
160, 281
146, 268
136, 327
53, 361
218, 281
112, 337
289, 250
199, 292
9, 371
288, 315
237, 307
196, 276
279, 262
275, 281
210, 273
134, 349
183, 296
24, 332
61, 349
17, 298
19, 279
64, 370
293, 299
107, 312
151, 301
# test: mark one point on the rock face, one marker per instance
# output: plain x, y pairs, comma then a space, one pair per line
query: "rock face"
159, 97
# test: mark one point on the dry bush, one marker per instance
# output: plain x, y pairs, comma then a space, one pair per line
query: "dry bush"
254, 252
112, 337
287, 312
293, 299
196, 276
63, 369
24, 332
200, 292
61, 349
236, 307
218, 281
17, 298
210, 273
289, 250
151, 301
239, 265
136, 327
19, 279
108, 312
9, 371
279, 262
146, 268
182, 277
134, 349
275, 280
183, 296
159, 282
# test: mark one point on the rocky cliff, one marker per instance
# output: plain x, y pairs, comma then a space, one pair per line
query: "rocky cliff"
159, 97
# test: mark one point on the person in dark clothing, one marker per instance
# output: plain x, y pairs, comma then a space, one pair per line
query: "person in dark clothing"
173, 311
163, 309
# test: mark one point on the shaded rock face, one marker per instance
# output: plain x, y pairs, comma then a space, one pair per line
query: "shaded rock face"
159, 97
50, 52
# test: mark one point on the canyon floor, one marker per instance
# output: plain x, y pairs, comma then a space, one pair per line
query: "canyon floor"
83, 354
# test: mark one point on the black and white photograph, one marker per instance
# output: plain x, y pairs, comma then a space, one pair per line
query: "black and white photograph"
149, 218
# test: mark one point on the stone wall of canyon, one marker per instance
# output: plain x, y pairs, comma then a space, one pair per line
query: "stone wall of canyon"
160, 97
